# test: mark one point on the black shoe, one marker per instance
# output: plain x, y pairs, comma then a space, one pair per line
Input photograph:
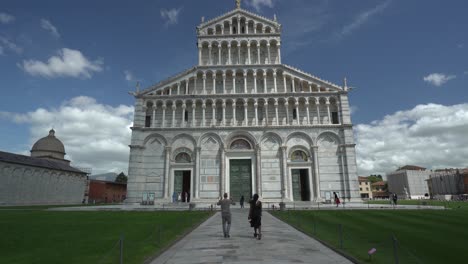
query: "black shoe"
228, 235
225, 236
255, 234
259, 236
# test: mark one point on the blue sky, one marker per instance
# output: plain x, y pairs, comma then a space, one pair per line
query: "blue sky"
408, 62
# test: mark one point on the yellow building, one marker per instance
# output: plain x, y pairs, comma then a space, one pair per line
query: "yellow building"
365, 188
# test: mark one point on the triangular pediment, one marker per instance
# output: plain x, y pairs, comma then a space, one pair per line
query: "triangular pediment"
241, 13
173, 79
311, 78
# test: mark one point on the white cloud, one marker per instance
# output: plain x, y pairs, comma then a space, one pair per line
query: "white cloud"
170, 16
47, 25
68, 63
129, 76
362, 18
431, 136
257, 4
6, 18
95, 135
6, 44
438, 79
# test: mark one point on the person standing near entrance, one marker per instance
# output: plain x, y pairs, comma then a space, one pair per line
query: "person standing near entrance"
337, 200
255, 216
226, 214
241, 202
394, 198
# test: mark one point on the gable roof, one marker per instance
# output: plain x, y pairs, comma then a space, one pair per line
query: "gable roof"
182, 74
37, 162
241, 12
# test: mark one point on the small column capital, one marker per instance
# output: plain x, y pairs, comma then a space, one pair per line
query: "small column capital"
204, 105
245, 74
164, 106
174, 107
184, 105
286, 103
194, 105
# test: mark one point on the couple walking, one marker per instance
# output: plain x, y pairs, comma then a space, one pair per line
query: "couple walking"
255, 215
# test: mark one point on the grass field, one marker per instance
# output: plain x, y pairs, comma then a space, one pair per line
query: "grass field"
38, 236
447, 204
423, 236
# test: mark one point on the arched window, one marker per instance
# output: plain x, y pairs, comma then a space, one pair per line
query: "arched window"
298, 156
240, 144
183, 158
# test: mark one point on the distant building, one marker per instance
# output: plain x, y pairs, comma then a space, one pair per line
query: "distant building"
107, 191
448, 182
365, 187
45, 177
409, 182
379, 190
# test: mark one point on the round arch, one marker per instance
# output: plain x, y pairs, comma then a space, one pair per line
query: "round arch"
300, 134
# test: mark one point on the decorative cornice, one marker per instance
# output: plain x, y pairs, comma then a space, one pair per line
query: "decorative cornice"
312, 76
326, 126
234, 11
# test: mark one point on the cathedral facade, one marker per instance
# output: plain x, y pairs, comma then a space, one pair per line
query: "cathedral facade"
242, 122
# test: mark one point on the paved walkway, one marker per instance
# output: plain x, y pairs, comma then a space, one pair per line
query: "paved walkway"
280, 244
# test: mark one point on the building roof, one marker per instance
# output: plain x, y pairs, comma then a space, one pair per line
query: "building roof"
49, 144
108, 182
363, 179
379, 183
37, 162
411, 167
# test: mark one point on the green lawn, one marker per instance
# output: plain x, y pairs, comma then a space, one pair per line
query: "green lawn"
423, 236
447, 204
37, 236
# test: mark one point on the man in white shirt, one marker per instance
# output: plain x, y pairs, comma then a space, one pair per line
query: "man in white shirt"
226, 214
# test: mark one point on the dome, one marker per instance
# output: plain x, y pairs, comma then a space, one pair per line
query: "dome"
49, 146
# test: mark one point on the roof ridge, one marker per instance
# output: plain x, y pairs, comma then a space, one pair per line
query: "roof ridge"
239, 10
313, 76
167, 80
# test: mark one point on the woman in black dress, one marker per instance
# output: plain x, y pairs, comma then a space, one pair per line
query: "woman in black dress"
255, 216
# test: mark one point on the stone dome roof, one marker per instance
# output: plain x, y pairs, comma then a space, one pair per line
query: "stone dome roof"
49, 146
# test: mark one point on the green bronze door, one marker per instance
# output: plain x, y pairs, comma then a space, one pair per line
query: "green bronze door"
178, 181
240, 174
296, 184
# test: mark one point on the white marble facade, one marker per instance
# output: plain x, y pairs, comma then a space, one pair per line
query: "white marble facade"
241, 103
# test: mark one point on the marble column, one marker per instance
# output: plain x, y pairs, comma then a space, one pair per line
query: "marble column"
222, 180
194, 107
286, 106
284, 174
284, 83
204, 83
266, 111
328, 110
197, 172
258, 53
186, 86
258, 166
248, 53
317, 103
298, 113
174, 107
219, 54
265, 88
234, 121
256, 112
195, 85
229, 54
203, 114
255, 81
307, 110
199, 55
167, 178
178, 88
316, 173
246, 117
269, 53
293, 84
239, 54
153, 122
279, 53
245, 82
234, 82
209, 55
223, 121
214, 83
213, 117
276, 112
274, 81
164, 115
224, 82
184, 106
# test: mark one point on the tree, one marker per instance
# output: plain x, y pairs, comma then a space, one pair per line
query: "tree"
375, 178
121, 178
